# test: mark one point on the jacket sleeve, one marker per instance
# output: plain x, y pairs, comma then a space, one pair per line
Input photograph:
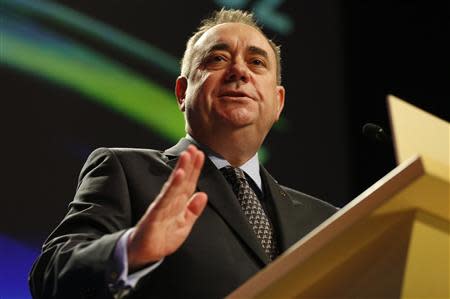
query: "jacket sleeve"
77, 258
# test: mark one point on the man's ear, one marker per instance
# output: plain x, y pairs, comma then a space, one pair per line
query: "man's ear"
281, 92
180, 91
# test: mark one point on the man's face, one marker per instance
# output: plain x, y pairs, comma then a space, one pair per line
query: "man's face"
232, 83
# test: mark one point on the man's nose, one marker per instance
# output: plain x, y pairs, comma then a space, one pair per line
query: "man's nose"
238, 71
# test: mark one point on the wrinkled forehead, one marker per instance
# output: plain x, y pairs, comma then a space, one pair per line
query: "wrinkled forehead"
233, 35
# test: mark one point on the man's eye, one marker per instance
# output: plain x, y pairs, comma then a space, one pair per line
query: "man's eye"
215, 59
258, 62
219, 58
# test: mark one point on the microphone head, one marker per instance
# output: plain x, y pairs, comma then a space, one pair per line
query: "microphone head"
375, 132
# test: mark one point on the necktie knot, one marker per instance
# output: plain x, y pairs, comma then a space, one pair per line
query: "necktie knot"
235, 176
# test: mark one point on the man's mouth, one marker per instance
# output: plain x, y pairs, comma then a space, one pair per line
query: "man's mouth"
235, 94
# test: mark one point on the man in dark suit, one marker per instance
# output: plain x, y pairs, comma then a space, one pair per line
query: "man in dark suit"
174, 224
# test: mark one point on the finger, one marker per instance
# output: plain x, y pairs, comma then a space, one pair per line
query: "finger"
195, 207
192, 178
183, 160
170, 189
175, 186
188, 167
180, 165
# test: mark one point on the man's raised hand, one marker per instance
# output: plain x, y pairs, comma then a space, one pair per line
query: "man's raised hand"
169, 219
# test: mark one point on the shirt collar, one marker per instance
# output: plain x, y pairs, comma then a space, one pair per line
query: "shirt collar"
251, 167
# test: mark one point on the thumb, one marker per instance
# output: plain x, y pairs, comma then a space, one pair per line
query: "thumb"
196, 205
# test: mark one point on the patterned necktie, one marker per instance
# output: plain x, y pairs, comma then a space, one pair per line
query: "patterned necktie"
252, 209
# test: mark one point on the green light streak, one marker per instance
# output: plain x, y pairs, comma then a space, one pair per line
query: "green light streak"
99, 79
69, 18
66, 63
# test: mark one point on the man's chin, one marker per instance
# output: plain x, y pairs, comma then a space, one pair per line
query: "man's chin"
239, 118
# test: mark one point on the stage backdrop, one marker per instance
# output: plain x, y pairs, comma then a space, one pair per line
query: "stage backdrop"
77, 75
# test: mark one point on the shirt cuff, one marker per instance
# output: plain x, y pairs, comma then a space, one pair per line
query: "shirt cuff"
124, 279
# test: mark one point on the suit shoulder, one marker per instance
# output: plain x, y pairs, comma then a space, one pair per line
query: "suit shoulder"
127, 153
305, 199
130, 160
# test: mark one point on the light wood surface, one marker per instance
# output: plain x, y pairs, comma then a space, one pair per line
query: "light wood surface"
392, 241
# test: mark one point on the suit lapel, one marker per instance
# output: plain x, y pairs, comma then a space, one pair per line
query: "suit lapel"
285, 212
222, 199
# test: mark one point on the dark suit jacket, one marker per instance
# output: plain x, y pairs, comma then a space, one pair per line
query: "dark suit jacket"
115, 188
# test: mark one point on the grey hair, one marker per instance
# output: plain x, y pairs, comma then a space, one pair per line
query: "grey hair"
220, 17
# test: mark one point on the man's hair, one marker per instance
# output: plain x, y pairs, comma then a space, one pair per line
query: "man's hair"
220, 17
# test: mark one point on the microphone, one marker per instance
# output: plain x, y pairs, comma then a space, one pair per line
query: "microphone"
375, 132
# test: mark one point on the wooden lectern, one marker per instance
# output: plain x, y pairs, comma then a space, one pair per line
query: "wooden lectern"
392, 241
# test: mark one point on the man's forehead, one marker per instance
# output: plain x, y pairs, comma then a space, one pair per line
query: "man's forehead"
231, 33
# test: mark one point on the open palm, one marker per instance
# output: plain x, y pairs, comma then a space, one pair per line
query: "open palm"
169, 219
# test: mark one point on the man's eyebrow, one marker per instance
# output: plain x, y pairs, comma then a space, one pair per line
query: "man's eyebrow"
226, 47
218, 47
258, 51
202, 54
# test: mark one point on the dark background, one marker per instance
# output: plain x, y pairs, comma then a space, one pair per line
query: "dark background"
340, 61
